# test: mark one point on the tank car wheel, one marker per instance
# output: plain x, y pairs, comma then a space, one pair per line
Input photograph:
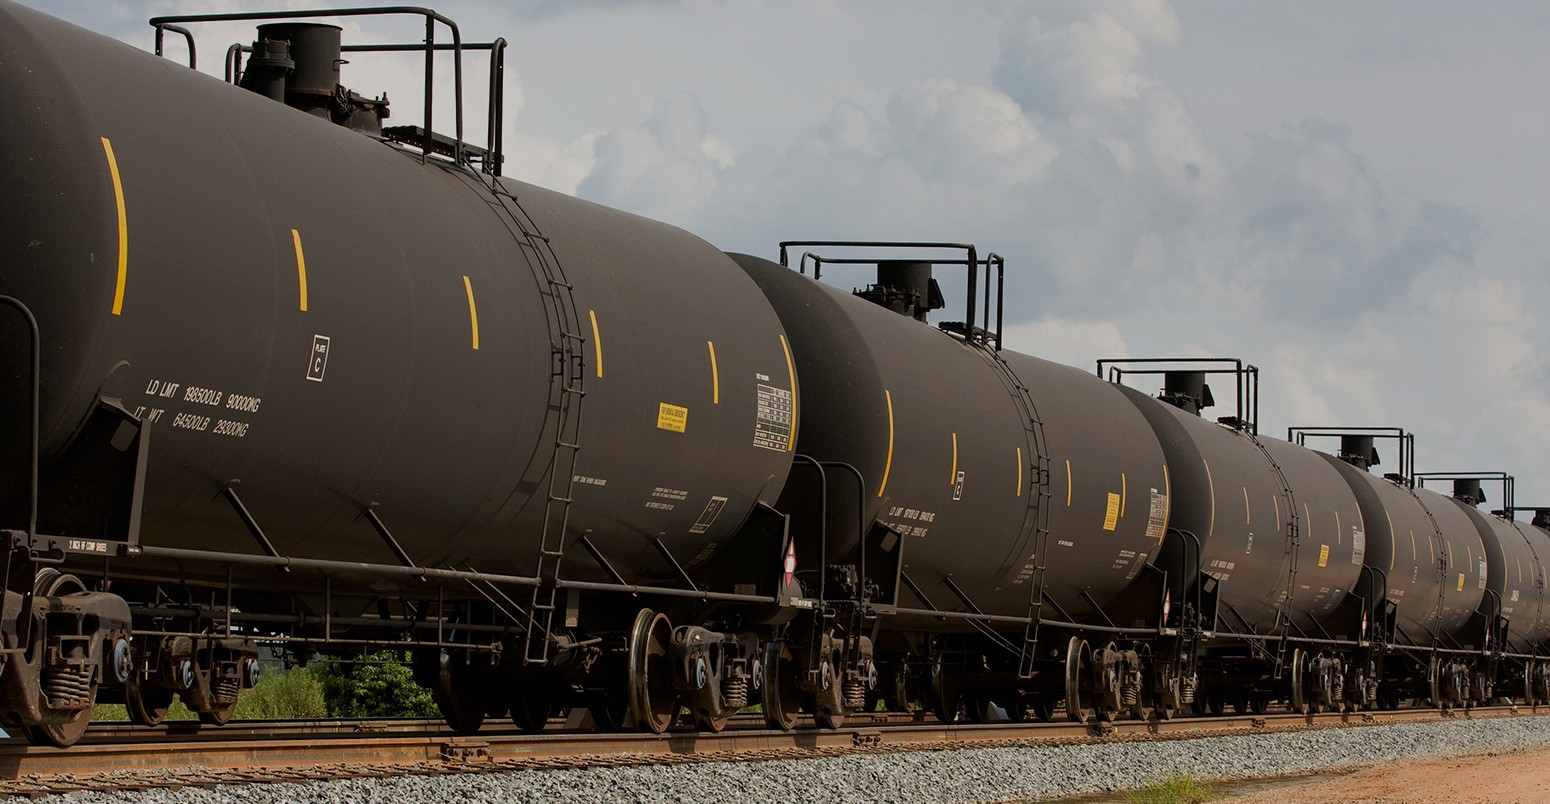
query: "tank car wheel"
51, 582
609, 714
219, 717
653, 700
530, 710
1043, 708
147, 703
782, 693
1017, 708
1299, 698
946, 701
978, 708
459, 694
62, 735
1078, 661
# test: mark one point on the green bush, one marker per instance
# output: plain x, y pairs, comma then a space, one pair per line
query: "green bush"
379, 684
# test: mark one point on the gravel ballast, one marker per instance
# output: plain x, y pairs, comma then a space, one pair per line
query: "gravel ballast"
969, 775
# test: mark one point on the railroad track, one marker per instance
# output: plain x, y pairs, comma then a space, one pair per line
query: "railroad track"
121, 757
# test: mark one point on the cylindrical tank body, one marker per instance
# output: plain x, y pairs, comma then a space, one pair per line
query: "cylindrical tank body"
1512, 570
952, 460
1430, 553
336, 322
1278, 527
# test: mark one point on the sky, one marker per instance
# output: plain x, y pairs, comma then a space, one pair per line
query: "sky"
1349, 196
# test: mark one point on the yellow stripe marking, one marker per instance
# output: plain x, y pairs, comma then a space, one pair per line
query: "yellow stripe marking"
123, 228
1069, 482
888, 464
1248, 513
1019, 471
597, 342
1307, 518
1167, 503
1339, 537
952, 477
715, 376
791, 374
1210, 485
473, 312
1277, 501
301, 268
1394, 547
1122, 493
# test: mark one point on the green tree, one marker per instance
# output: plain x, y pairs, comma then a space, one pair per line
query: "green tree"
378, 684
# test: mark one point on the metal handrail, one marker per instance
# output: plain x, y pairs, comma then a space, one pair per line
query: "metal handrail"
233, 69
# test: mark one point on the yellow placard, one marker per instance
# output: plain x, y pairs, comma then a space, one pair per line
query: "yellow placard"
1111, 516
1323, 555
672, 417
1461, 581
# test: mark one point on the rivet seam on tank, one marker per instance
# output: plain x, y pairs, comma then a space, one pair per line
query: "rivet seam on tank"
473, 310
597, 343
301, 269
123, 228
888, 463
715, 375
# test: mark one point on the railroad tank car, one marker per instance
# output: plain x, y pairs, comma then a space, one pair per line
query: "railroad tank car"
1430, 552
1279, 534
336, 324
322, 326
306, 380
946, 437
1015, 484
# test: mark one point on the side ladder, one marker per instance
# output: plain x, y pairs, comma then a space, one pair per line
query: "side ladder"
566, 392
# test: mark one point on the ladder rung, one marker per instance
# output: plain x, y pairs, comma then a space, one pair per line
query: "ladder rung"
552, 553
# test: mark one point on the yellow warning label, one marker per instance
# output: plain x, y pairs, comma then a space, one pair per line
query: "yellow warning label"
1461, 581
1111, 517
1323, 555
672, 417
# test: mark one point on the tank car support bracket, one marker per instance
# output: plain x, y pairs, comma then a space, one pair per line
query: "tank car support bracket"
230, 493
387, 537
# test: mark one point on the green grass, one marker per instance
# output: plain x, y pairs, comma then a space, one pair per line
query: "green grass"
280, 694
1175, 790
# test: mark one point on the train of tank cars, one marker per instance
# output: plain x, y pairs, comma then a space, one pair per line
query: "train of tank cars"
564, 456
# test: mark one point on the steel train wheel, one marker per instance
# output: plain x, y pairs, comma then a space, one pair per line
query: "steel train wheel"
947, 702
459, 693
219, 717
51, 582
1078, 662
653, 700
1299, 698
530, 709
609, 714
147, 702
782, 695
